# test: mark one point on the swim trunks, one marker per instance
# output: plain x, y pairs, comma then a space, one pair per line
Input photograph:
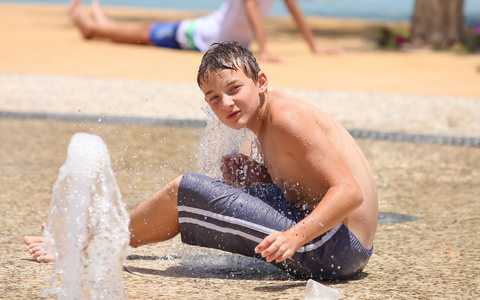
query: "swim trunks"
215, 215
164, 35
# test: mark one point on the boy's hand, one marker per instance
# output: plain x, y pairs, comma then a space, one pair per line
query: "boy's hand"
239, 170
232, 167
267, 57
279, 246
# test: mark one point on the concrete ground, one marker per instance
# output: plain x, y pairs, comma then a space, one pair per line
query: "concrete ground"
417, 122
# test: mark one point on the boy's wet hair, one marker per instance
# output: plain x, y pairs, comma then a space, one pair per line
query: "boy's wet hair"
227, 55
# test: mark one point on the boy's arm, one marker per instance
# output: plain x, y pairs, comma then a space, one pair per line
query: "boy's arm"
305, 30
303, 139
256, 22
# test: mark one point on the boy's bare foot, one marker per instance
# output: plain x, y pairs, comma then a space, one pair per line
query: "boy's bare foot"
80, 18
98, 13
38, 245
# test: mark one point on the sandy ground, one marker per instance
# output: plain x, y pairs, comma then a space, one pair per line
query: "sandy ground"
44, 62
41, 40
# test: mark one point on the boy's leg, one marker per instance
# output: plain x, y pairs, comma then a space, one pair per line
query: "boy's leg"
214, 215
101, 27
154, 220
98, 13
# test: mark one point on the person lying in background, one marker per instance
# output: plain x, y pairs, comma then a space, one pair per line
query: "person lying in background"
241, 21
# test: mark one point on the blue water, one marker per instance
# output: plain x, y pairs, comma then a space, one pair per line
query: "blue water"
386, 10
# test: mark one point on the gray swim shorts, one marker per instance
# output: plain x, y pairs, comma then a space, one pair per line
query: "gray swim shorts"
215, 215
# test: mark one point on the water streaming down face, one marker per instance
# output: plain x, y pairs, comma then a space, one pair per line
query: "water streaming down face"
219, 140
88, 224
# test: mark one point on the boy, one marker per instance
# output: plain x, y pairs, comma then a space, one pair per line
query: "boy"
236, 20
310, 208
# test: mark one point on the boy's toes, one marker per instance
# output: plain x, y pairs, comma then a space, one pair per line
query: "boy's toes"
32, 240
45, 258
33, 247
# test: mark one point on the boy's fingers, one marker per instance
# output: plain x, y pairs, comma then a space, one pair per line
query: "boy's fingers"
279, 253
261, 247
274, 255
265, 246
270, 251
287, 254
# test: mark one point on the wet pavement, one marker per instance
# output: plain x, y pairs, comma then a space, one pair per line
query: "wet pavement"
432, 257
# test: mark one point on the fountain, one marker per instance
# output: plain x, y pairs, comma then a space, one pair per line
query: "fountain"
87, 225
219, 140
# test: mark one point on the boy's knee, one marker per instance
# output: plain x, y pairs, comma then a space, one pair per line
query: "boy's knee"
192, 185
177, 180
172, 188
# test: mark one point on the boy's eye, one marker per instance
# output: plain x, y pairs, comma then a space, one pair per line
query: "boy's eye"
211, 99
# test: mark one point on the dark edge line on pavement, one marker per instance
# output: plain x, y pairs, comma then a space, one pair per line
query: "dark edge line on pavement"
149, 121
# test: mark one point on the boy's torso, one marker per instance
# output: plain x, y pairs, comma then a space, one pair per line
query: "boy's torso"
292, 175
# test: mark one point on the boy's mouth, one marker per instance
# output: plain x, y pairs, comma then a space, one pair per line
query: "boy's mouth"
233, 114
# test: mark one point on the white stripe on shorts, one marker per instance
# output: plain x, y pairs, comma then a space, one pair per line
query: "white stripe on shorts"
218, 228
235, 221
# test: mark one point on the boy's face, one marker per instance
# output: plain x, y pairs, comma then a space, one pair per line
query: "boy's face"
233, 97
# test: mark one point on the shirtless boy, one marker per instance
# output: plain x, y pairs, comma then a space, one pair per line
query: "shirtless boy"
311, 206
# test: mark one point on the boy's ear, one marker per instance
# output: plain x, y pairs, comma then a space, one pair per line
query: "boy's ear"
262, 82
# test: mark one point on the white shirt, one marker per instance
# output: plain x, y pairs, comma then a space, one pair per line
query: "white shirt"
229, 23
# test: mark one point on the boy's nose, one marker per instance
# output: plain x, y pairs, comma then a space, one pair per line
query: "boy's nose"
228, 101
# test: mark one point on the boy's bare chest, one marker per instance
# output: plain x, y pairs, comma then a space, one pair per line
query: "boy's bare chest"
287, 174
282, 167
290, 175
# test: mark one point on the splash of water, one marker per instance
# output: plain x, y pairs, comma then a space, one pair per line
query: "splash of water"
87, 225
219, 140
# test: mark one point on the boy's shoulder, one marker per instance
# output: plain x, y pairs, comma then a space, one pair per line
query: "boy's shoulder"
287, 108
290, 114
